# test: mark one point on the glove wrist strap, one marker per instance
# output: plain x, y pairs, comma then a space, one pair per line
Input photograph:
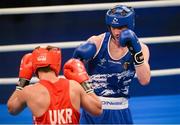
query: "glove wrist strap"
87, 87
138, 58
22, 83
19, 87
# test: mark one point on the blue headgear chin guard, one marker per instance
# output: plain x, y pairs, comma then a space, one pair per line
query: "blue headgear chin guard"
121, 15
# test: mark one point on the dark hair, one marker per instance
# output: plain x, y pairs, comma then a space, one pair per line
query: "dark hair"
48, 47
43, 69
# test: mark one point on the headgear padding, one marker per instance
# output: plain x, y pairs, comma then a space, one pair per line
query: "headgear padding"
43, 57
121, 15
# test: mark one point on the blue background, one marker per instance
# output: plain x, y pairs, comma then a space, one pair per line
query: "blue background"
74, 26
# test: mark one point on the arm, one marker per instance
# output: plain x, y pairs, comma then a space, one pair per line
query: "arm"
143, 71
17, 102
140, 54
75, 70
91, 103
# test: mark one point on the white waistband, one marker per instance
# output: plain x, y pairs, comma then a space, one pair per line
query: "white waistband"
114, 103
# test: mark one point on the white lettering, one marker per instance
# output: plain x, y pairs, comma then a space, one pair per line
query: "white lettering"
62, 116
41, 58
69, 115
53, 116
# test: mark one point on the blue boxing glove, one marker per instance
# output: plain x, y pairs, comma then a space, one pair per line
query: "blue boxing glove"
128, 38
85, 51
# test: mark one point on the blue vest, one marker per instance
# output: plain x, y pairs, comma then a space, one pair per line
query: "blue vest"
109, 77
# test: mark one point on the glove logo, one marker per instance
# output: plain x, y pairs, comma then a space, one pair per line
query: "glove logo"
41, 58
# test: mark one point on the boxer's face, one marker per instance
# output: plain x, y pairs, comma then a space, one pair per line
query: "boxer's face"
116, 31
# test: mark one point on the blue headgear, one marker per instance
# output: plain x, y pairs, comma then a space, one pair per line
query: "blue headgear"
121, 15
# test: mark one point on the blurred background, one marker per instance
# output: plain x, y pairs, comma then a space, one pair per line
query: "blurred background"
156, 103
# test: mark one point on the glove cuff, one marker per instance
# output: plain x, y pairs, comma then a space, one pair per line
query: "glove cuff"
22, 83
18, 87
138, 58
87, 87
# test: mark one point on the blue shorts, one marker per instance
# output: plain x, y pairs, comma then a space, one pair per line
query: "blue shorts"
122, 116
115, 111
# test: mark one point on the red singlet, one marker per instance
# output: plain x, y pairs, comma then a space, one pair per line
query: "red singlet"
60, 110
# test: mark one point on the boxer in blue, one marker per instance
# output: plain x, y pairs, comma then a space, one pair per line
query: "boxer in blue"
112, 59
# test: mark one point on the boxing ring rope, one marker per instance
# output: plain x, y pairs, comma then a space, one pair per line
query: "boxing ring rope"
154, 73
87, 7
73, 44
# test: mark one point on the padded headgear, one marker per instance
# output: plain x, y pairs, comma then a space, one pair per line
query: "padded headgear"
121, 15
49, 56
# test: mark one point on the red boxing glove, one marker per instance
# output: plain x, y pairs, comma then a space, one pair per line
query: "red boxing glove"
74, 69
25, 71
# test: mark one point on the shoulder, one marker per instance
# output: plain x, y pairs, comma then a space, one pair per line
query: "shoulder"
96, 39
30, 89
144, 46
145, 51
75, 86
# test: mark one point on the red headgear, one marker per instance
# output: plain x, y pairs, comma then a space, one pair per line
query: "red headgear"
43, 57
